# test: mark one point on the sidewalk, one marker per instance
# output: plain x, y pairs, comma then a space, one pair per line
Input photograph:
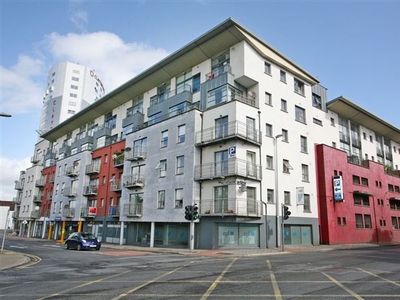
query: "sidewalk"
10, 259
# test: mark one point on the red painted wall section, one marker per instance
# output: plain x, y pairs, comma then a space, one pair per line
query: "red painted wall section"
49, 173
331, 161
107, 170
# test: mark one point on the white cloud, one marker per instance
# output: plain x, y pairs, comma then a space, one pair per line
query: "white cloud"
114, 60
10, 170
20, 87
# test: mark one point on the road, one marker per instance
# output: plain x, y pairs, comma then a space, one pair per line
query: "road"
367, 273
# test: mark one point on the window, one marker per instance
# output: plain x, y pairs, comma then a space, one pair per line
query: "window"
268, 98
181, 133
364, 181
270, 162
110, 120
178, 198
367, 221
74, 87
307, 206
299, 86
283, 76
267, 68
283, 105
221, 127
75, 79
270, 196
287, 197
285, 135
332, 122
356, 179
162, 167
395, 224
180, 165
300, 114
72, 95
268, 130
361, 199
221, 199
161, 199
164, 139
221, 163
196, 83
286, 166
316, 121
304, 173
316, 101
303, 144
359, 221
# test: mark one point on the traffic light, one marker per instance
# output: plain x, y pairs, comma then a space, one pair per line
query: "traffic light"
188, 212
286, 212
195, 212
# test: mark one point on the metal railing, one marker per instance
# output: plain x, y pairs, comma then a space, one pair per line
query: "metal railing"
231, 206
133, 210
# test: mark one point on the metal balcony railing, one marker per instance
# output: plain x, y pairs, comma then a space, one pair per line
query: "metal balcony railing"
231, 206
113, 211
116, 185
133, 210
92, 169
225, 168
90, 190
136, 154
229, 130
133, 181
69, 192
38, 198
68, 212
40, 182
72, 171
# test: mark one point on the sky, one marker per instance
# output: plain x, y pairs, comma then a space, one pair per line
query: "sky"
351, 46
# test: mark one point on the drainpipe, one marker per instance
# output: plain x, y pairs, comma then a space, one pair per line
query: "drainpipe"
263, 211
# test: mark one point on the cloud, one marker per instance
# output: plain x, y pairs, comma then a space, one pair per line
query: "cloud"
10, 171
77, 15
114, 60
22, 89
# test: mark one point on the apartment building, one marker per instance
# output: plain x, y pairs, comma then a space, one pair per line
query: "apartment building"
70, 87
227, 123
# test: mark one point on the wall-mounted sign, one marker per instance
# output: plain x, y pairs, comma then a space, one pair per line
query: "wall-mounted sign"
232, 151
338, 188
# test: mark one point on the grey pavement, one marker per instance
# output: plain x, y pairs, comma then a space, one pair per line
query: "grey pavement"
12, 259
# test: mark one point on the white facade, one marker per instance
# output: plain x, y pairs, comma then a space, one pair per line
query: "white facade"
70, 88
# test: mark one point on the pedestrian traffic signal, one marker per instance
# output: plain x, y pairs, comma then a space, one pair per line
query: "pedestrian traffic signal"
286, 212
188, 212
195, 212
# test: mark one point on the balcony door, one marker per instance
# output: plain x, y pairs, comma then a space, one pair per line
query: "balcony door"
220, 199
251, 164
221, 127
251, 200
221, 163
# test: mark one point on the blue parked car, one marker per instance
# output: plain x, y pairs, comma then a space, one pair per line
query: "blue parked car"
81, 241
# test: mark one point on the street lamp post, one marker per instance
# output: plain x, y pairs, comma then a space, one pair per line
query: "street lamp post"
5, 231
277, 206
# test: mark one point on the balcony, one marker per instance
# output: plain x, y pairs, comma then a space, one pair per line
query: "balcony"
68, 213
133, 181
118, 161
136, 154
40, 182
35, 159
15, 215
38, 199
72, 171
19, 186
226, 168
51, 179
90, 190
231, 206
113, 211
35, 214
89, 212
17, 200
116, 185
218, 71
133, 210
344, 137
69, 192
227, 131
92, 169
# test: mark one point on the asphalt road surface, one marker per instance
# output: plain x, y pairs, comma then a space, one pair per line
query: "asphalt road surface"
367, 273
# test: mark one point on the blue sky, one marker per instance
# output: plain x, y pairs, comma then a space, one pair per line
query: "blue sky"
351, 46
